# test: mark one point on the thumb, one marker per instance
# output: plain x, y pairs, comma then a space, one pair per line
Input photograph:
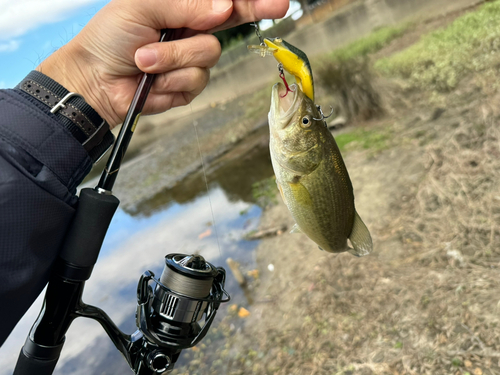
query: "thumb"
175, 14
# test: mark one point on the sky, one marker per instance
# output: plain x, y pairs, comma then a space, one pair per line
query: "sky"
30, 30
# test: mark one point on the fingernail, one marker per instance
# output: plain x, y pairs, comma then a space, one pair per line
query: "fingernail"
146, 56
220, 6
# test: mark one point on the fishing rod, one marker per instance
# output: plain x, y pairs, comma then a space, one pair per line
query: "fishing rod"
169, 308
110, 172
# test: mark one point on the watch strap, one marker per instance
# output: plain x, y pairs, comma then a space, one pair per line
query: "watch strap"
71, 109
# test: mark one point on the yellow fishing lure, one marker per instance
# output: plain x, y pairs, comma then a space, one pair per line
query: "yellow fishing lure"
295, 62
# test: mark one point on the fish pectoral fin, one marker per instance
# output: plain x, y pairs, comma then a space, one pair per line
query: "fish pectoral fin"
295, 229
360, 238
300, 194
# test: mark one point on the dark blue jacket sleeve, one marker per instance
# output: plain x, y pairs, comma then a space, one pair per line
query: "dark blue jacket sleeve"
41, 164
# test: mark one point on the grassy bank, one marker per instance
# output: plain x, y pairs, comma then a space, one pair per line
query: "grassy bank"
442, 58
371, 43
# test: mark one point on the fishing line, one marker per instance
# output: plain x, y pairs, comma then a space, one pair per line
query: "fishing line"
195, 125
189, 286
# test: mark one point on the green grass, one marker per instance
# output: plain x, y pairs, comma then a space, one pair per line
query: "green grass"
265, 192
456, 362
373, 139
371, 43
440, 59
398, 345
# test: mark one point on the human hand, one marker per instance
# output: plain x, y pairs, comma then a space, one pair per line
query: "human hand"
105, 61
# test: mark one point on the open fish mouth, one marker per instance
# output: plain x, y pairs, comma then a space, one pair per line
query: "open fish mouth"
283, 103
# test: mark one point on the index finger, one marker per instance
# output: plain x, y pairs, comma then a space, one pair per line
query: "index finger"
245, 11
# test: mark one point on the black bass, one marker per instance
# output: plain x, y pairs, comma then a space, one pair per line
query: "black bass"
311, 175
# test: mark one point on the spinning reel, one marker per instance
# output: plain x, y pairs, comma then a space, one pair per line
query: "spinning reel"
169, 309
168, 317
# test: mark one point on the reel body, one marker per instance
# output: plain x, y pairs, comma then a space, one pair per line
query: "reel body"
170, 310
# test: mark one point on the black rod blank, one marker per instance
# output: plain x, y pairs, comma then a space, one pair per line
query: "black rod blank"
109, 174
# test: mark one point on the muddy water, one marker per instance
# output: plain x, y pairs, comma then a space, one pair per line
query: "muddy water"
176, 220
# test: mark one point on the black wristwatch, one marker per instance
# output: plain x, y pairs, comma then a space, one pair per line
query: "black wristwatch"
71, 109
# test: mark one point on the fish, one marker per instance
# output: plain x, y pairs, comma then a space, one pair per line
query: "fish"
311, 175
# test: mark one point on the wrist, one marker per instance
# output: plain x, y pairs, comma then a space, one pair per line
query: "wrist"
70, 110
63, 67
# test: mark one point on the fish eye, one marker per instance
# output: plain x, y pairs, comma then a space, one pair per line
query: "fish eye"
306, 122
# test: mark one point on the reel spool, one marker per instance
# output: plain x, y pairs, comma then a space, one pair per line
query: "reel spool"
169, 311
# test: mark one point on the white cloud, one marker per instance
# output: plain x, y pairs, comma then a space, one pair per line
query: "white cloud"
19, 17
9, 46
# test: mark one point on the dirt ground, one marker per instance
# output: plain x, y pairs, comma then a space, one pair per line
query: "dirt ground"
426, 301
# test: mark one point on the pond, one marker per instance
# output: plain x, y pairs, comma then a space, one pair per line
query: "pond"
178, 220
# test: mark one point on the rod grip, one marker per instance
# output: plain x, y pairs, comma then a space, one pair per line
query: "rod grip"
37, 359
92, 218
29, 366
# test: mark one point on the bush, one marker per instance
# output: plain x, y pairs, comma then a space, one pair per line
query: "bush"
350, 83
346, 74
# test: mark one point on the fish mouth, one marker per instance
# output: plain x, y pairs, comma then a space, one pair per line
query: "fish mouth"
283, 103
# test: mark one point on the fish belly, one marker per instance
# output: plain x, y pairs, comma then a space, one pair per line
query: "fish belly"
322, 202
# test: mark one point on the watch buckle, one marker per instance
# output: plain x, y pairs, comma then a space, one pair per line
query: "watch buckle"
62, 102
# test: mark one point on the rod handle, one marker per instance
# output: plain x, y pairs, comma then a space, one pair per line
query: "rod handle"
37, 359
84, 239
29, 366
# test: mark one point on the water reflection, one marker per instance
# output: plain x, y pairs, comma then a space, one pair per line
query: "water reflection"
139, 242
235, 173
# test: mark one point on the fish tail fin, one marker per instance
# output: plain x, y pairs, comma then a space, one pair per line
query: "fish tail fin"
360, 238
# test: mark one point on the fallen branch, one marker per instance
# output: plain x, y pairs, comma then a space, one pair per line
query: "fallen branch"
270, 232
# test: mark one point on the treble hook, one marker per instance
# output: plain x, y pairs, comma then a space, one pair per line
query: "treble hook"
282, 76
257, 32
322, 114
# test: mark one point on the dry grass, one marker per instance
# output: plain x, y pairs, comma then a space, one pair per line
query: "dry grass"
458, 202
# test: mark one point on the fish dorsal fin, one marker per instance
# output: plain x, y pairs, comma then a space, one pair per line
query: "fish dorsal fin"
360, 238
295, 229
